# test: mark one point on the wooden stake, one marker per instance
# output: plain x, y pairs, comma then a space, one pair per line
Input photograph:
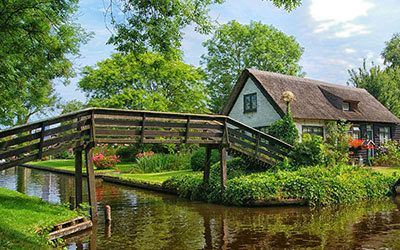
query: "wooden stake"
223, 169
107, 213
78, 176
91, 182
206, 174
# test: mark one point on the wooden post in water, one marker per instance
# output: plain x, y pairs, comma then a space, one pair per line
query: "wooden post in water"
223, 169
78, 176
207, 165
91, 182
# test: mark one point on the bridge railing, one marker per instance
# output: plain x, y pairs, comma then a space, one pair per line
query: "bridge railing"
36, 140
114, 126
127, 127
256, 144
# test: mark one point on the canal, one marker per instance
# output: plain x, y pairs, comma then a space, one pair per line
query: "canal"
148, 220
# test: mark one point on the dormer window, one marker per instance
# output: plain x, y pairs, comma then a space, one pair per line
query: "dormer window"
346, 106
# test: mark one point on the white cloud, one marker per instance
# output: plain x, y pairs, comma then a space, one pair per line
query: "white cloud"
350, 29
338, 16
349, 51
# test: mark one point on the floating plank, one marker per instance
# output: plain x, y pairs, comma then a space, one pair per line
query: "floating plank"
69, 227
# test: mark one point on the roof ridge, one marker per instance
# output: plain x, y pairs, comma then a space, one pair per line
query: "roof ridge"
305, 80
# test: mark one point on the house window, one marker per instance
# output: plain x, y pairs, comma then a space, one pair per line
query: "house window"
355, 132
370, 132
313, 130
250, 103
346, 106
384, 134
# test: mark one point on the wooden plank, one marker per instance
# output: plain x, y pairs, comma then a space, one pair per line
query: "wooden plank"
37, 135
142, 128
253, 148
207, 166
154, 124
66, 127
156, 114
91, 182
19, 151
116, 132
70, 230
78, 176
240, 135
66, 138
40, 154
187, 129
59, 148
46, 122
255, 131
17, 162
223, 168
18, 140
242, 150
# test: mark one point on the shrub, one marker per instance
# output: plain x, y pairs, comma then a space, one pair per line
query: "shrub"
163, 162
315, 185
336, 146
388, 155
105, 150
66, 154
105, 161
198, 159
309, 152
285, 129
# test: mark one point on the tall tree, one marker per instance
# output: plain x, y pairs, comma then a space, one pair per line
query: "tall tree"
146, 81
383, 84
236, 46
391, 53
37, 39
157, 25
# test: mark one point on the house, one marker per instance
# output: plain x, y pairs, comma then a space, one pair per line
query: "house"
256, 100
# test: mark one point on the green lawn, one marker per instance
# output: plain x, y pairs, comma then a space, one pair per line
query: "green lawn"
126, 171
153, 178
69, 165
387, 170
22, 217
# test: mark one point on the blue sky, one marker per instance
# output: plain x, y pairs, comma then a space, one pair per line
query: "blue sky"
336, 34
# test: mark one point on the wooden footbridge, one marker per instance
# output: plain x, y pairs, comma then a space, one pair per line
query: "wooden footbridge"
85, 129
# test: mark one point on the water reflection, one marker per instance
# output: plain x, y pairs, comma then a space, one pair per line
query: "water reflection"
146, 220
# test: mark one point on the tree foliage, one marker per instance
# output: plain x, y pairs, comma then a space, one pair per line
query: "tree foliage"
236, 46
285, 129
382, 83
391, 53
36, 38
157, 25
147, 81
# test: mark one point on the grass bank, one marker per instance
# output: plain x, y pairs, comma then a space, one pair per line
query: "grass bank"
25, 221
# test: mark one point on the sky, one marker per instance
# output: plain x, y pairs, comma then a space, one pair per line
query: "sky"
336, 34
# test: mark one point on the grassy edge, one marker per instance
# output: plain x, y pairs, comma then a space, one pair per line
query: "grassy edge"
26, 220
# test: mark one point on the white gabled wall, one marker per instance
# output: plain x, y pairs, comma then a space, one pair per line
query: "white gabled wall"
265, 115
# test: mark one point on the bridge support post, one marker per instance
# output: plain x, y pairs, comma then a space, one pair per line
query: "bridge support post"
91, 182
207, 165
223, 168
78, 176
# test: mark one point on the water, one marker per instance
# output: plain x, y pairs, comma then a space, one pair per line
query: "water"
147, 220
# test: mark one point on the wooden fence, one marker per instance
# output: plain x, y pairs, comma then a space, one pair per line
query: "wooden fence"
85, 129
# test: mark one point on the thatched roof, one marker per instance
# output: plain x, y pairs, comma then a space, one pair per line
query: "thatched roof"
315, 100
